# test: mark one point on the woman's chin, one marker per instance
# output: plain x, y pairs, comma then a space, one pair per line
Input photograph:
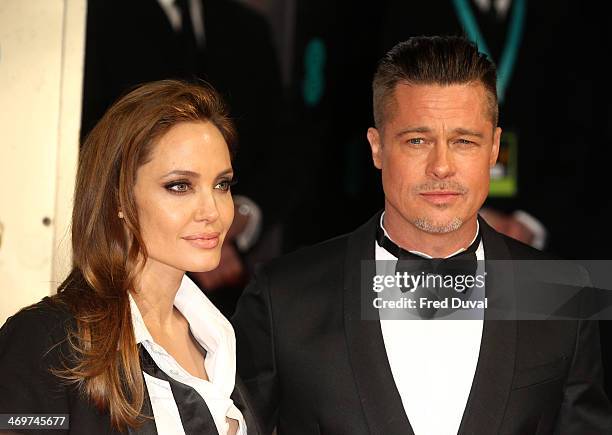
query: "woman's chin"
204, 267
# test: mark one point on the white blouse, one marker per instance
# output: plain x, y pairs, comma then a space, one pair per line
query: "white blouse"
216, 335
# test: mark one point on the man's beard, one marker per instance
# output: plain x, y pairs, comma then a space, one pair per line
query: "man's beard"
429, 226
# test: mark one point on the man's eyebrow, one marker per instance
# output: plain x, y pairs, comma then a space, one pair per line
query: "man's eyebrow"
413, 130
468, 132
183, 173
463, 131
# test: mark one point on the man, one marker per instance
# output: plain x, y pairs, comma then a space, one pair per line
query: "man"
316, 365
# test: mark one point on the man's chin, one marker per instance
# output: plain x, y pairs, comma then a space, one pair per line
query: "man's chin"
438, 226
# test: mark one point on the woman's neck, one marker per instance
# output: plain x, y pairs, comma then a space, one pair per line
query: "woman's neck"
154, 294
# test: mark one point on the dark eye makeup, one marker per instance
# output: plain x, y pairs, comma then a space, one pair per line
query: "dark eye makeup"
179, 187
225, 184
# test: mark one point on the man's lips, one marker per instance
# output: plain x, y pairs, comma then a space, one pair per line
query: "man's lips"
440, 196
203, 240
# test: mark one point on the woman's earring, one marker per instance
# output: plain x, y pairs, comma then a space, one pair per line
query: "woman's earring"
120, 214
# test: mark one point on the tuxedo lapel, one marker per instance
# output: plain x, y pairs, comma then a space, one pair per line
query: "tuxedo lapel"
380, 400
494, 372
242, 402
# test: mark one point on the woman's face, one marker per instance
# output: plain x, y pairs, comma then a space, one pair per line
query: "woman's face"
183, 198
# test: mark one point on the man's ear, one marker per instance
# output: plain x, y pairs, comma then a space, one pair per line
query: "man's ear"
376, 146
495, 149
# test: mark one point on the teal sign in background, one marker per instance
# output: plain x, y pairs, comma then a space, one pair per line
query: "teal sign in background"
315, 57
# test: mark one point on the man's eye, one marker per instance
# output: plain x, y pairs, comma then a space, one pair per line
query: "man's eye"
416, 141
178, 187
464, 142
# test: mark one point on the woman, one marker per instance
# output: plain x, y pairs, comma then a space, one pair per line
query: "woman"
129, 343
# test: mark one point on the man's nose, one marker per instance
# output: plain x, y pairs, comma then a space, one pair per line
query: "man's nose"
440, 163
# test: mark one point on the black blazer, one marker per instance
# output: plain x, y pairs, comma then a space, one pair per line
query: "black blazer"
314, 367
31, 343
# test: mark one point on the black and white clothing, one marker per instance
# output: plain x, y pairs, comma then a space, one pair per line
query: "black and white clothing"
314, 364
33, 341
215, 334
440, 349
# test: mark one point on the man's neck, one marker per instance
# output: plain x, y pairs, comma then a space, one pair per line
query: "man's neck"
436, 245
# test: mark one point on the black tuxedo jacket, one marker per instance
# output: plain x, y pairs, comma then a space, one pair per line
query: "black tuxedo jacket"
31, 343
314, 367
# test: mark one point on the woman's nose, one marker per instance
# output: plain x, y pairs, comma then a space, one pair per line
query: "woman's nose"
206, 208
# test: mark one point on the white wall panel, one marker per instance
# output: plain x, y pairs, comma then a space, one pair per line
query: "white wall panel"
41, 67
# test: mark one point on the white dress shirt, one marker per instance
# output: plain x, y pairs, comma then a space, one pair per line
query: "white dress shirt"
433, 363
215, 334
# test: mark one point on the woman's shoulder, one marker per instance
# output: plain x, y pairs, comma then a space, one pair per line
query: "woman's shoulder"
36, 330
33, 343
47, 317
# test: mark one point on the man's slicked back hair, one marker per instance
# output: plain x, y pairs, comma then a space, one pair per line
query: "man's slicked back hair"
432, 60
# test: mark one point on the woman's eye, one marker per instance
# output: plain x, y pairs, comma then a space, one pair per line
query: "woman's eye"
179, 187
224, 185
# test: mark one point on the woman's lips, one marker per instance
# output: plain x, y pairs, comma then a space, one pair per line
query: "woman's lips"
203, 241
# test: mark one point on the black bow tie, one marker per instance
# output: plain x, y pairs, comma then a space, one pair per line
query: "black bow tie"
463, 257
463, 263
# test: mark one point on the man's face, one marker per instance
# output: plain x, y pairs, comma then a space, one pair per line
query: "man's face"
435, 151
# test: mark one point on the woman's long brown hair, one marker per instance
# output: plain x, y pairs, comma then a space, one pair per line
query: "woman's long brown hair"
108, 251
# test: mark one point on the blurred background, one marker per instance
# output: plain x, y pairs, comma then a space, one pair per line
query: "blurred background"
297, 76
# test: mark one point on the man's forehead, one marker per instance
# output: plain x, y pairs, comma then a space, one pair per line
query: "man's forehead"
439, 92
427, 102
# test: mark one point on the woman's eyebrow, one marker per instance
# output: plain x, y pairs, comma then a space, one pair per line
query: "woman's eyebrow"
228, 171
183, 173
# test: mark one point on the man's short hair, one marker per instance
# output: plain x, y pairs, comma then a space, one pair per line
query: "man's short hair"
433, 60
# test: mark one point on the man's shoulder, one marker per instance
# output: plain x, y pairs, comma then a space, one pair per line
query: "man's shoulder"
324, 255
330, 253
521, 251
545, 266
517, 250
